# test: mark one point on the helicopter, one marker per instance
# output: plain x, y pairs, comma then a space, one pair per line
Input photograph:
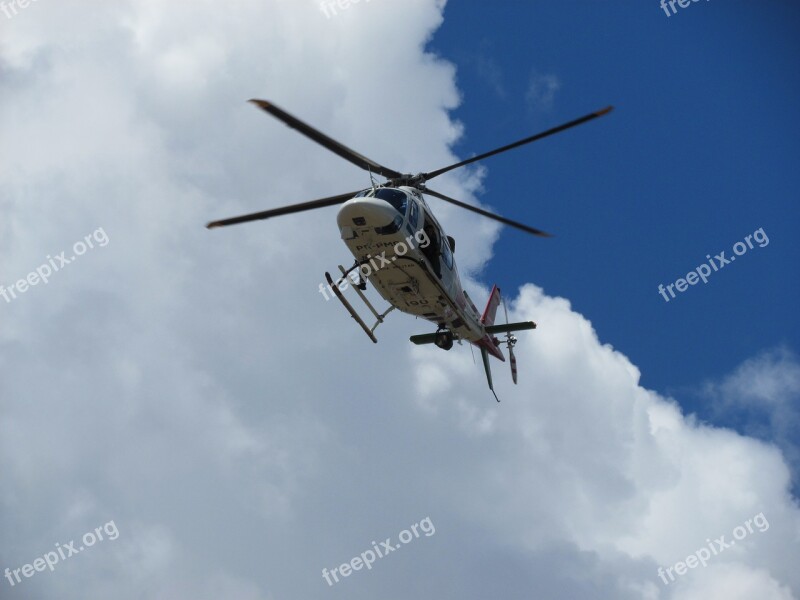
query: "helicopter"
379, 222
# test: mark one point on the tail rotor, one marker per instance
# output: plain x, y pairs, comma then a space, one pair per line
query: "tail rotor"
511, 341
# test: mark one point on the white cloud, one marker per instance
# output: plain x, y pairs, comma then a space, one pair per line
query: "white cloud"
761, 398
542, 90
737, 582
490, 71
194, 387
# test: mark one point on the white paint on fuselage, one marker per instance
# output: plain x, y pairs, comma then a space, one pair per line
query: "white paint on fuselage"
409, 282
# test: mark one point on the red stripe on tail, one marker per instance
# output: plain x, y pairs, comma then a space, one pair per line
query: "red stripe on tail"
488, 341
491, 307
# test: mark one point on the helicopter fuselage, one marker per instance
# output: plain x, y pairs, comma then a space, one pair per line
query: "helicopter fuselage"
404, 253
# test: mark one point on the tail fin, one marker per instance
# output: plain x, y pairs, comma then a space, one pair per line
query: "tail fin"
491, 307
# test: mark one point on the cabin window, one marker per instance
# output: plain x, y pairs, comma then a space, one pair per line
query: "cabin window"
447, 256
413, 219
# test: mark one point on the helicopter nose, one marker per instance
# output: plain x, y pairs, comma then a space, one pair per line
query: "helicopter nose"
366, 212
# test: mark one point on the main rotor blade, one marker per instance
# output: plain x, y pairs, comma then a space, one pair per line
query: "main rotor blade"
486, 213
284, 210
527, 140
328, 142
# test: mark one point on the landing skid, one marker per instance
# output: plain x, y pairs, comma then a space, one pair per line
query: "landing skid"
378, 316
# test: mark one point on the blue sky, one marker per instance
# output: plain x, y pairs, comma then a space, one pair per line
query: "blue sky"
700, 151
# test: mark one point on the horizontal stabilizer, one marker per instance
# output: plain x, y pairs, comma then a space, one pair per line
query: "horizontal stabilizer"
430, 338
521, 326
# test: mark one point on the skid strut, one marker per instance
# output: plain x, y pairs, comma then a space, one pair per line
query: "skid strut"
378, 316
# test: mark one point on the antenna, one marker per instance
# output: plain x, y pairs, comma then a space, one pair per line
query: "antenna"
371, 179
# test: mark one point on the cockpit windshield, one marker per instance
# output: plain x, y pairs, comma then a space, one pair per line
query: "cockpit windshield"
396, 198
